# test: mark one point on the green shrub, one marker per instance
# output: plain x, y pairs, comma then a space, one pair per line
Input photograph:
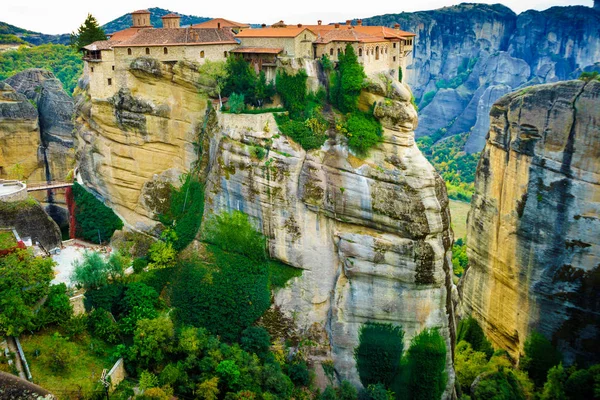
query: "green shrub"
499, 385
258, 152
241, 77
326, 63
106, 297
298, 373
364, 132
300, 132
347, 392
102, 325
280, 273
95, 221
139, 264
468, 364
225, 301
60, 355
234, 232
460, 261
554, 388
470, 331
588, 76
228, 373
57, 308
276, 382
427, 98
91, 272
236, 103
257, 340
152, 341
379, 392
426, 363
139, 302
379, 353
400, 74
161, 255
293, 92
328, 394
347, 81
539, 357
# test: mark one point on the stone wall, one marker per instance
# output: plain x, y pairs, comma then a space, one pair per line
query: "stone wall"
18, 192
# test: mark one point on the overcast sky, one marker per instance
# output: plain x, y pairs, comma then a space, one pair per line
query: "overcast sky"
62, 16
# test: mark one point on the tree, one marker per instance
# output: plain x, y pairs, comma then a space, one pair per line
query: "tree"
241, 77
263, 91
89, 32
152, 340
470, 331
379, 353
426, 360
91, 271
95, 221
217, 71
208, 390
24, 281
234, 232
539, 357
257, 340
468, 364
348, 81
228, 373
554, 388
161, 255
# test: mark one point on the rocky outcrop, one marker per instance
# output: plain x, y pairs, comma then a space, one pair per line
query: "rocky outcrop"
144, 136
372, 235
55, 110
462, 51
534, 226
19, 135
30, 220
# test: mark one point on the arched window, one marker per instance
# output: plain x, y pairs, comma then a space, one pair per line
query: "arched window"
128, 52
339, 52
225, 54
377, 53
165, 50
147, 50
92, 69
202, 54
331, 51
360, 52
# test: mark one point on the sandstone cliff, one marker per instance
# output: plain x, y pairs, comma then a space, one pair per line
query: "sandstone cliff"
19, 134
467, 55
534, 226
372, 236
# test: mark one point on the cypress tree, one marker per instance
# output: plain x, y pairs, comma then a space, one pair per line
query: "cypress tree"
88, 32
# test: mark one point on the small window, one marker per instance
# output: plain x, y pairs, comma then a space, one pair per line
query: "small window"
202, 54
225, 54
360, 52
394, 45
330, 52
128, 52
92, 69
339, 51
165, 50
377, 53
394, 58
113, 67
305, 36
109, 82
147, 50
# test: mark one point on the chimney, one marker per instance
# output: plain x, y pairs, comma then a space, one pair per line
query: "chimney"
337, 25
359, 22
397, 26
319, 22
218, 25
299, 25
348, 22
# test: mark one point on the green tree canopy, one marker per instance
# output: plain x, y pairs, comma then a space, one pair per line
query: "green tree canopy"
89, 32
24, 280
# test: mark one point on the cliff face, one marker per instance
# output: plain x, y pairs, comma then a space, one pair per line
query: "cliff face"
19, 134
30, 220
372, 236
533, 228
467, 56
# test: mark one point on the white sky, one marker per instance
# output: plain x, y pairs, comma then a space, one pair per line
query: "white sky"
63, 16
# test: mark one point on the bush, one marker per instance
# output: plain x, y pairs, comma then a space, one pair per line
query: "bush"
379, 353
539, 357
91, 272
225, 301
499, 385
300, 132
57, 308
102, 325
328, 394
257, 340
139, 264
241, 77
470, 331
426, 363
234, 232
95, 221
236, 103
139, 302
347, 392
298, 373
161, 255
379, 392
347, 81
364, 131
107, 297
468, 364
258, 152
152, 341
426, 99
293, 92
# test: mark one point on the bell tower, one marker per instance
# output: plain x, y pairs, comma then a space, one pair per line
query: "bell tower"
171, 20
141, 19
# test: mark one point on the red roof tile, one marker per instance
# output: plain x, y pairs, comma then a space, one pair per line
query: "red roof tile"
290, 32
141, 12
225, 23
171, 15
257, 50
178, 36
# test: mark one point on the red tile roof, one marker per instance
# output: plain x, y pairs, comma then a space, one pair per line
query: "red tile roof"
124, 34
225, 23
257, 50
179, 36
141, 12
171, 15
346, 35
289, 32
101, 45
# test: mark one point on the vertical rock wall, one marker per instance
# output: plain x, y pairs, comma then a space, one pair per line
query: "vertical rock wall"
534, 224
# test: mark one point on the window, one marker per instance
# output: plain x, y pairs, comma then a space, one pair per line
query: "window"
394, 58
305, 36
360, 52
165, 50
339, 51
113, 67
202, 54
225, 54
128, 52
331, 51
109, 82
377, 53
394, 45
92, 69
147, 50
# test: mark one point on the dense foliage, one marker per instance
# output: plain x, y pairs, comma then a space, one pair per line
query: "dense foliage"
426, 362
225, 300
300, 132
454, 165
363, 131
460, 261
93, 271
233, 232
540, 356
292, 90
63, 61
242, 81
95, 221
347, 81
470, 331
24, 281
379, 353
87, 33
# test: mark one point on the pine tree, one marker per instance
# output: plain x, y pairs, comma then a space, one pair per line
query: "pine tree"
88, 32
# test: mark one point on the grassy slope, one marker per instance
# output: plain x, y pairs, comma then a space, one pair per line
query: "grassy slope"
458, 211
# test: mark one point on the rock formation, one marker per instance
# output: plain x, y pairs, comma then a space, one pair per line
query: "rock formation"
372, 235
19, 134
464, 51
534, 225
30, 220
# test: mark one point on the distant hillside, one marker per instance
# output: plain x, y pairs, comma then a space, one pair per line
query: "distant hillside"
124, 21
12, 34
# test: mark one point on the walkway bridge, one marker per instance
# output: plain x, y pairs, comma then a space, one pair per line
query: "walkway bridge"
37, 186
